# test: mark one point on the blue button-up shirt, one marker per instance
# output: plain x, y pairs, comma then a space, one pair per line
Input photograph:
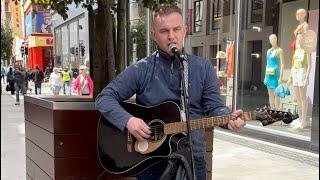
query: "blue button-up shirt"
156, 79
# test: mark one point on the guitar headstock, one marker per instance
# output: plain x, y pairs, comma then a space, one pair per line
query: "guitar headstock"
267, 116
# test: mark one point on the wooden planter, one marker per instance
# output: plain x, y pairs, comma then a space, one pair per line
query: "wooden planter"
61, 139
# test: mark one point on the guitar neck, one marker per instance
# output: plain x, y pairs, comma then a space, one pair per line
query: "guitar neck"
204, 123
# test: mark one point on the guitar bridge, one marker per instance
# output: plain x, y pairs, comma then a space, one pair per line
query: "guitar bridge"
129, 142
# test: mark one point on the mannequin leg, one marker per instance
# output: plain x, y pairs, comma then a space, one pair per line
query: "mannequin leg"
271, 97
296, 96
277, 102
304, 105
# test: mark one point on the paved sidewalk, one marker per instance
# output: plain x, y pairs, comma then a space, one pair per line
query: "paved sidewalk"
13, 161
234, 157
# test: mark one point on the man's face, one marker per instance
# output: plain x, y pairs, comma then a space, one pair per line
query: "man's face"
168, 29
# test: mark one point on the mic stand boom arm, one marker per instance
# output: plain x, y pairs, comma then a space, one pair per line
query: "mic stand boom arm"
185, 103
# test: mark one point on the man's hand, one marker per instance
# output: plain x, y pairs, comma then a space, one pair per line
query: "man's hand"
138, 128
237, 124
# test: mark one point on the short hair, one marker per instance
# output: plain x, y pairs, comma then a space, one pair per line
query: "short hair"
166, 9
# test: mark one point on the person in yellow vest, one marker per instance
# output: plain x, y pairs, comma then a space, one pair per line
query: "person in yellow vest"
66, 78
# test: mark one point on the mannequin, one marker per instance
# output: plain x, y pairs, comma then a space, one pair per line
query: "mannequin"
274, 71
301, 65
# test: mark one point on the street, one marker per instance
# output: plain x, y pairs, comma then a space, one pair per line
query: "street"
234, 157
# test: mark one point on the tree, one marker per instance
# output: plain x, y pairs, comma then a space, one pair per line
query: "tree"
105, 64
6, 41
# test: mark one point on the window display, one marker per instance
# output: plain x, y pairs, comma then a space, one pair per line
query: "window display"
274, 71
300, 71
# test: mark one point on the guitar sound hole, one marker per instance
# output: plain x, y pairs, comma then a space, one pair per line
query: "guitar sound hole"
156, 128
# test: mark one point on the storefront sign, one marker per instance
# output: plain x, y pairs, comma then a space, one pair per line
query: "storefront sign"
309, 41
35, 41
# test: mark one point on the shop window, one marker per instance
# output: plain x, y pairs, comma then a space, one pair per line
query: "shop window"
256, 11
197, 51
198, 8
216, 20
213, 54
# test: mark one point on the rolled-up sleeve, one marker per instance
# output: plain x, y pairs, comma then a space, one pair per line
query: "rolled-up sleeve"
211, 100
122, 88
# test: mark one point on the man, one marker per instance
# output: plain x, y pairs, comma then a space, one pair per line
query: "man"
66, 78
156, 79
38, 77
3, 73
20, 82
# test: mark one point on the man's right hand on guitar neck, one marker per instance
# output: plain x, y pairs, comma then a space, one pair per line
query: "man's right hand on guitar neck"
138, 128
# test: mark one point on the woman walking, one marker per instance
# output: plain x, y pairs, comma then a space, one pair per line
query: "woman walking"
10, 80
55, 81
83, 83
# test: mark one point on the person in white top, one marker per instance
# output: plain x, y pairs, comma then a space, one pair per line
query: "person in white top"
55, 81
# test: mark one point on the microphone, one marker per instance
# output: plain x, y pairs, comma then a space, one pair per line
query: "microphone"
173, 49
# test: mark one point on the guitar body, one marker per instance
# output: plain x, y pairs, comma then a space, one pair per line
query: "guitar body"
120, 153
113, 144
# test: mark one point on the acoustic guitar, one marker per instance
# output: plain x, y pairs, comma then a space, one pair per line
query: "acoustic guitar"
120, 153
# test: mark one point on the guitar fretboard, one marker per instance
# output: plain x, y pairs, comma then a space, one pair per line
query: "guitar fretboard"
204, 123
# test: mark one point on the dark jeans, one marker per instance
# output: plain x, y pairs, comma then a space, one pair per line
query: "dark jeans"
65, 85
37, 86
20, 87
155, 171
11, 84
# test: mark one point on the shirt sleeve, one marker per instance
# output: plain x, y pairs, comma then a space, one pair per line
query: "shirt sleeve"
212, 103
122, 88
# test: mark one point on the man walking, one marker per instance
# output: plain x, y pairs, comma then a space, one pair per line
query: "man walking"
20, 81
66, 78
38, 76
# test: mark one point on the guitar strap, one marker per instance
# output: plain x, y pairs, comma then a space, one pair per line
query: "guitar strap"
183, 106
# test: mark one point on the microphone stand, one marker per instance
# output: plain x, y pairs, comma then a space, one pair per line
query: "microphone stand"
186, 108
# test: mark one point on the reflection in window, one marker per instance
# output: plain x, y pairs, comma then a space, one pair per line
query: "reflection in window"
216, 20
256, 11
64, 44
198, 6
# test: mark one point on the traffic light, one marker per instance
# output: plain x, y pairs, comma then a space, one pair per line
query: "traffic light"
22, 50
77, 51
83, 50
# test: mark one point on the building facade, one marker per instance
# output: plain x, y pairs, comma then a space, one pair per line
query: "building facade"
71, 39
11, 12
38, 38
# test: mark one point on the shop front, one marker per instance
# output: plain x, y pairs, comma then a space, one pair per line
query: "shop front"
40, 47
265, 54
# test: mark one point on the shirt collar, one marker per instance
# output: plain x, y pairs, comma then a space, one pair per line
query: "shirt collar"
166, 56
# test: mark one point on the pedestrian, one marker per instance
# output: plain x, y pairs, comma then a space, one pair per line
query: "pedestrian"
83, 84
37, 76
3, 74
28, 78
20, 82
156, 79
10, 80
55, 81
67, 78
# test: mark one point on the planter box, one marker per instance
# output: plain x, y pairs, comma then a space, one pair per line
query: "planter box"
61, 139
